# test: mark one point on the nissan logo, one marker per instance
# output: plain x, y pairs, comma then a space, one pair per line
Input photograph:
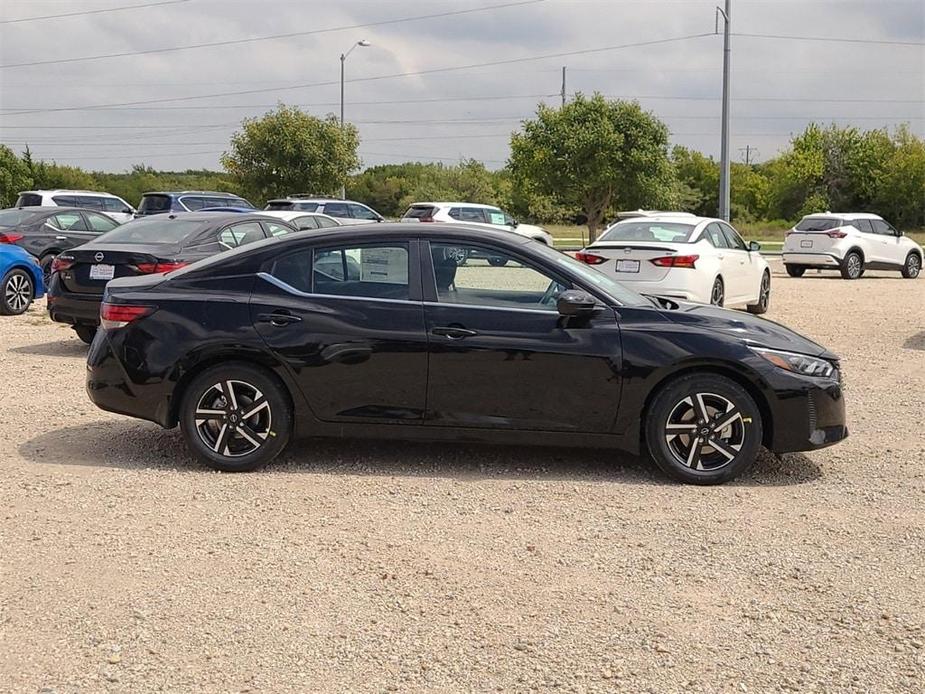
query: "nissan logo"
98, 257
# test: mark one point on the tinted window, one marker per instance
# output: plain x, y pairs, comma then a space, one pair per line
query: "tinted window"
419, 212
881, 227
490, 278
90, 202
295, 270
818, 223
733, 238
29, 200
378, 272
114, 205
154, 203
336, 209
240, 234
154, 230
12, 218
70, 221
306, 222
304, 206
863, 225
195, 202
468, 214
715, 236
100, 223
65, 200
362, 212
279, 205
671, 232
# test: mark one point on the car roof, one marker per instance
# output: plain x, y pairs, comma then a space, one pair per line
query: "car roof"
52, 210
455, 204
192, 192
292, 214
59, 191
843, 215
674, 218
216, 217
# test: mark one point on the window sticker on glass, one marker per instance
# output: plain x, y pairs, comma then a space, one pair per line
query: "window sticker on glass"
388, 265
496, 217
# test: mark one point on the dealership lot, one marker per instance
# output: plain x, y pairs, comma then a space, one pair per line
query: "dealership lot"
384, 566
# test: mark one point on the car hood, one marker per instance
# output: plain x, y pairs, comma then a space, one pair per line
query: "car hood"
756, 331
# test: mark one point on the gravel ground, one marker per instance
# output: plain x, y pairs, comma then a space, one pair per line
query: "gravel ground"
382, 566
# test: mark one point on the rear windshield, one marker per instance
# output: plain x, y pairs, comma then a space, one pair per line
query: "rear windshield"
153, 230
419, 212
12, 218
29, 200
155, 203
666, 232
278, 205
818, 223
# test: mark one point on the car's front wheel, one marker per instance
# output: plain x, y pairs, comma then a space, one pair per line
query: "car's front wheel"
17, 290
912, 267
236, 417
703, 429
795, 270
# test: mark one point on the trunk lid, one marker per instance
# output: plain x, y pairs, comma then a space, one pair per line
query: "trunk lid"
94, 266
632, 261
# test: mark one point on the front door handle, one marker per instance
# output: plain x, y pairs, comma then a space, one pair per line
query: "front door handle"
278, 319
453, 333
60, 238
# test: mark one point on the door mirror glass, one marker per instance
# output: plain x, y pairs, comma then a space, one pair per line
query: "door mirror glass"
754, 246
575, 302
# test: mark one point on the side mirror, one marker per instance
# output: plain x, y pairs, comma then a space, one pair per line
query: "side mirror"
128, 210
754, 247
380, 218
898, 232
574, 302
515, 223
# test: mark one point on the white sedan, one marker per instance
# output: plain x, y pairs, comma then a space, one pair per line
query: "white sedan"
683, 257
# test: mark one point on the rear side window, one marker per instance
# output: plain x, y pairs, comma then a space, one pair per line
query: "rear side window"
295, 270
326, 222
154, 203
304, 206
65, 201
279, 205
240, 234
91, 202
306, 222
468, 214
420, 212
70, 221
862, 225
336, 209
28, 200
376, 272
818, 223
668, 232
278, 229
194, 202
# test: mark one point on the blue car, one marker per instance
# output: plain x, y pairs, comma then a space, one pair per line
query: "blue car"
20, 280
188, 201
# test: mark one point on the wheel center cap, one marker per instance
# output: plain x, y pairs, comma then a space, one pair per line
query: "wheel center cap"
233, 418
705, 431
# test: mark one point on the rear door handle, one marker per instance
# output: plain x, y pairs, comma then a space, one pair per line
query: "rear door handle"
60, 238
278, 319
454, 333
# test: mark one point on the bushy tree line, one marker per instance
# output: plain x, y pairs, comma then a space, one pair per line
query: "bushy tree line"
580, 163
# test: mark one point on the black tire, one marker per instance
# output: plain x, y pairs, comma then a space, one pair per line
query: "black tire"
677, 402
718, 293
764, 296
795, 270
85, 332
17, 290
497, 261
852, 267
46, 262
912, 267
212, 438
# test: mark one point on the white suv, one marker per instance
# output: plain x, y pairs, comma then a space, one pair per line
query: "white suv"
344, 211
851, 243
112, 205
473, 214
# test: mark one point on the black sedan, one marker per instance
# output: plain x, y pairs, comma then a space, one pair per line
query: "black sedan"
47, 231
379, 332
152, 245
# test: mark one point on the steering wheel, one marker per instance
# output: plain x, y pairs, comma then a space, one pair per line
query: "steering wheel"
551, 294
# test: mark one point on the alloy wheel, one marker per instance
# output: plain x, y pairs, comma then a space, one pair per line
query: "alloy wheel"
18, 293
854, 265
705, 431
233, 418
913, 266
717, 295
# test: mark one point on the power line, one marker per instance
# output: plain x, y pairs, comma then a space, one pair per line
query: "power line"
273, 37
86, 12
833, 39
410, 73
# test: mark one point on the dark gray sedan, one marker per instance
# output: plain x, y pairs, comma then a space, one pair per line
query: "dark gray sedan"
47, 231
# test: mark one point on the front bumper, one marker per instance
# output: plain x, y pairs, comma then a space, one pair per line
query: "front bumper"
811, 259
810, 414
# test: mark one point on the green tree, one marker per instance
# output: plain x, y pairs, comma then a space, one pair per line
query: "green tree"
14, 176
697, 180
595, 155
899, 188
290, 151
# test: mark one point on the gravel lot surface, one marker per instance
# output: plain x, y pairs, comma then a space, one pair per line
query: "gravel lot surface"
379, 566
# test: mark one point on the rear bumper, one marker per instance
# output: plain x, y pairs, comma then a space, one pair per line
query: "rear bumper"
73, 309
811, 259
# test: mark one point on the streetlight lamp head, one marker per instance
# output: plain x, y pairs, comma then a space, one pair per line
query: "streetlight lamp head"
364, 43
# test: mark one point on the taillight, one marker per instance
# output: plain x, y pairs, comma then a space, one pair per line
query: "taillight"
589, 258
687, 261
114, 316
425, 219
154, 268
61, 263
10, 237
836, 234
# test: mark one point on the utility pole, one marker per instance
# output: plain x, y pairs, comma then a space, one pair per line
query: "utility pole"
724, 146
343, 59
748, 150
563, 85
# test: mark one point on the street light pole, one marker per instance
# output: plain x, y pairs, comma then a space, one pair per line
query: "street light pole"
343, 59
724, 171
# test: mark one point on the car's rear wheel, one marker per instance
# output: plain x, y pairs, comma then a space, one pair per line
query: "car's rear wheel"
718, 293
764, 296
852, 266
912, 266
497, 261
17, 290
85, 332
236, 417
703, 429
795, 270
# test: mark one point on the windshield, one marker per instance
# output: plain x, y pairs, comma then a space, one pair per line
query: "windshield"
818, 223
604, 283
154, 230
12, 218
666, 232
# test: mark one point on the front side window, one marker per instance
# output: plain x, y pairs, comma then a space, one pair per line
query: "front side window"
65, 200
90, 202
114, 205
498, 217
306, 222
670, 232
70, 221
491, 278
301, 206
881, 227
376, 272
733, 238
324, 222
100, 223
715, 236
278, 229
362, 212
193, 203
336, 209
240, 234
468, 214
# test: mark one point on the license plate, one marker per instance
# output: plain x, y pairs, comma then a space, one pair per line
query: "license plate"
806, 244
627, 266
102, 272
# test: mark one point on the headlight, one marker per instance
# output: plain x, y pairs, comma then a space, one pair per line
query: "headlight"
797, 363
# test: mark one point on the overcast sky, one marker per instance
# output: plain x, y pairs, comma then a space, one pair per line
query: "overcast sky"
777, 85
